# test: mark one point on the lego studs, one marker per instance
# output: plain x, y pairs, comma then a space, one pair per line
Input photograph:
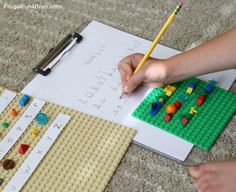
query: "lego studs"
184, 121
34, 133
167, 118
5, 125
183, 97
210, 86
156, 106
187, 117
171, 109
13, 112
190, 88
24, 100
169, 90
23, 148
200, 100
177, 104
41, 118
192, 111
8, 164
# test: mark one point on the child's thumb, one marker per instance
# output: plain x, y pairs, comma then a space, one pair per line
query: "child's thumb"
133, 82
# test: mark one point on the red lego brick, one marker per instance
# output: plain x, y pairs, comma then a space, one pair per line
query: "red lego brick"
23, 148
167, 118
184, 121
177, 104
200, 100
202, 97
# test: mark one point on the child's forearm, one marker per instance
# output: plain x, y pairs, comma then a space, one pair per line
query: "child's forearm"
215, 55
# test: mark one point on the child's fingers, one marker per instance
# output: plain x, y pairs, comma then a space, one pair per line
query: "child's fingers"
133, 82
129, 64
123, 75
125, 70
198, 170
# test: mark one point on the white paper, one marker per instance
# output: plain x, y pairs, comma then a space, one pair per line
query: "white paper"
224, 78
87, 79
5, 99
37, 154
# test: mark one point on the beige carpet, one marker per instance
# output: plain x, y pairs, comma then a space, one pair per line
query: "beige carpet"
26, 35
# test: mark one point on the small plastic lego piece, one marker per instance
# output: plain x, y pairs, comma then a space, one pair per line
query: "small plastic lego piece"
42, 119
189, 90
192, 111
169, 90
14, 112
213, 82
192, 85
167, 118
184, 121
171, 109
164, 97
8, 164
5, 125
183, 97
210, 86
208, 89
213, 110
24, 100
186, 118
1, 181
177, 104
200, 100
34, 132
156, 106
161, 100
23, 148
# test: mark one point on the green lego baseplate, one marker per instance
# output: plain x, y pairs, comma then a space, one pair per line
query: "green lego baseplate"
205, 126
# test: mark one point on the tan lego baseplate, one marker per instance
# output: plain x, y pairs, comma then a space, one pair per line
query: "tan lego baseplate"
83, 158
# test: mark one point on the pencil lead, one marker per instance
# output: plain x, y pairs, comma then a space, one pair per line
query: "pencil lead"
121, 95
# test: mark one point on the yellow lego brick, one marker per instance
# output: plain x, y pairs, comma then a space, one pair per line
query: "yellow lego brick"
169, 90
189, 90
168, 93
34, 132
192, 111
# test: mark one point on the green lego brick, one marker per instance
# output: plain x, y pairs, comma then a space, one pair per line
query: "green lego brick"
205, 126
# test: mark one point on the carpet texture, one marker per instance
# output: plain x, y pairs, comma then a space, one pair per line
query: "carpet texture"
26, 35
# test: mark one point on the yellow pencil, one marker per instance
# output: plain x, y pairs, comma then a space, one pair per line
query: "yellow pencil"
157, 39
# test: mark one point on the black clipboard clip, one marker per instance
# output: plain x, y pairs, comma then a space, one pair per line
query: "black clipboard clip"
47, 63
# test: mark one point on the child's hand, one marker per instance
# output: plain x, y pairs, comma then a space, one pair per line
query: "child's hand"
152, 74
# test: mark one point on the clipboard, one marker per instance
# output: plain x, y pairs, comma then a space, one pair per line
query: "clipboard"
45, 66
172, 147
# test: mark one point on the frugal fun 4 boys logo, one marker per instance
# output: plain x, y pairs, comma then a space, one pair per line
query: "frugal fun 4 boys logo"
31, 6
